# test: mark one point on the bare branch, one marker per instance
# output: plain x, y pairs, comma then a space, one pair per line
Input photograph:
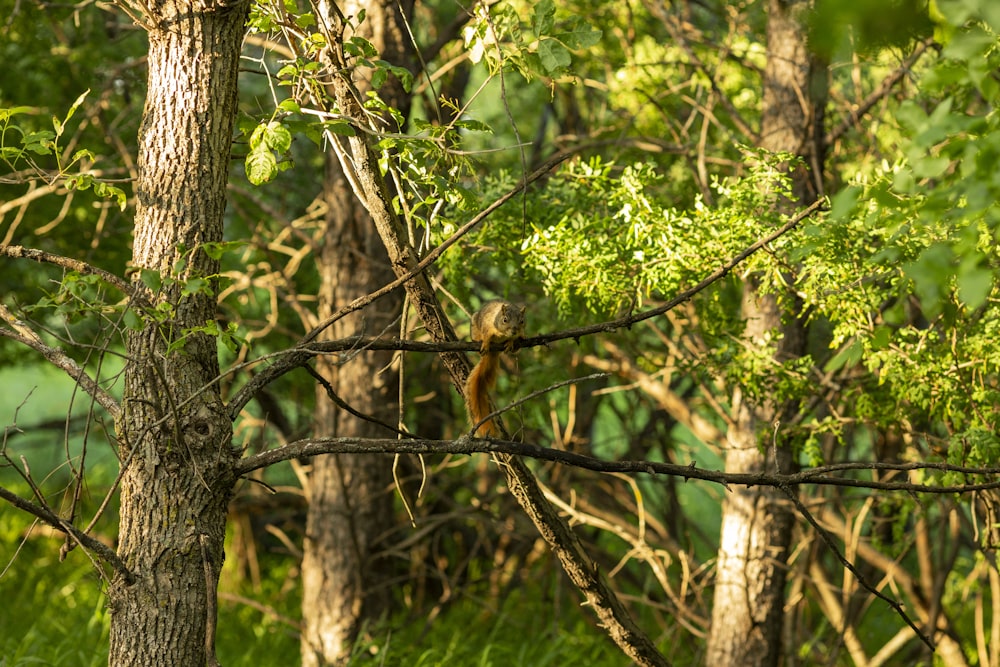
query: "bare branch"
832, 545
822, 476
23, 334
103, 551
42, 257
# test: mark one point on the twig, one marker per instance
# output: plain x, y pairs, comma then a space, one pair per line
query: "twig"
22, 333
829, 541
102, 550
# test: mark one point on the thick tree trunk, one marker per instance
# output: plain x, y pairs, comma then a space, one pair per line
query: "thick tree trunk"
174, 431
748, 608
350, 497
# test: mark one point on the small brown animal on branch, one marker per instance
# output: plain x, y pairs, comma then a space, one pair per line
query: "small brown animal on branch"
498, 321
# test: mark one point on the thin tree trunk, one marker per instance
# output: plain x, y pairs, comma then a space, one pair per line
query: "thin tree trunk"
174, 430
350, 497
370, 188
757, 522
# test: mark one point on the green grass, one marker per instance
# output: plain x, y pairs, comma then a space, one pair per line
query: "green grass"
522, 632
55, 614
51, 613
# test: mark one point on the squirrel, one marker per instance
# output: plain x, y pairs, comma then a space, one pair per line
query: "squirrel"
497, 321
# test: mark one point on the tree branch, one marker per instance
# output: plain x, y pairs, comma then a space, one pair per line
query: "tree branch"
103, 551
820, 476
832, 545
306, 349
42, 257
22, 333
854, 117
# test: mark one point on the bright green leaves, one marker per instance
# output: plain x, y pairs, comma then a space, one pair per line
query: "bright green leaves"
102, 189
555, 43
499, 39
868, 25
21, 145
935, 213
366, 55
604, 237
269, 143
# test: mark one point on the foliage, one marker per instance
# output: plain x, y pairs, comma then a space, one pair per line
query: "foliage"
897, 287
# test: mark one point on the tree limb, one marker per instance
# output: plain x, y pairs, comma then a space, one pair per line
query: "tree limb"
307, 348
819, 476
873, 98
103, 551
42, 257
21, 333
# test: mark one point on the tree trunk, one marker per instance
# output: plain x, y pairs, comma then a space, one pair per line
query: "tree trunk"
350, 501
350, 497
174, 430
757, 522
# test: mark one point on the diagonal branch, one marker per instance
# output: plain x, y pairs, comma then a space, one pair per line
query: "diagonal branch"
832, 545
306, 349
873, 98
360, 162
102, 550
20, 332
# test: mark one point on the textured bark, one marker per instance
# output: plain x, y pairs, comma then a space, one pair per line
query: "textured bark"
748, 608
174, 430
350, 497
350, 502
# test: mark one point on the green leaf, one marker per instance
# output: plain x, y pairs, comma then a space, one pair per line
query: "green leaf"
75, 106
580, 35
341, 127
847, 356
216, 249
974, 285
132, 320
543, 18
554, 55
930, 167
273, 135
5, 114
197, 286
844, 203
151, 279
261, 165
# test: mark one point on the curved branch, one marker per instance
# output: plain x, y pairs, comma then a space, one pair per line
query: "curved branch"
22, 333
103, 551
42, 257
306, 349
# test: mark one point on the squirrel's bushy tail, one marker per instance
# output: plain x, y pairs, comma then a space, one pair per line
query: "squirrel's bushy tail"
477, 387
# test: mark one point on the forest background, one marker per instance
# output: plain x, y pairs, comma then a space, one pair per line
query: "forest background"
754, 417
